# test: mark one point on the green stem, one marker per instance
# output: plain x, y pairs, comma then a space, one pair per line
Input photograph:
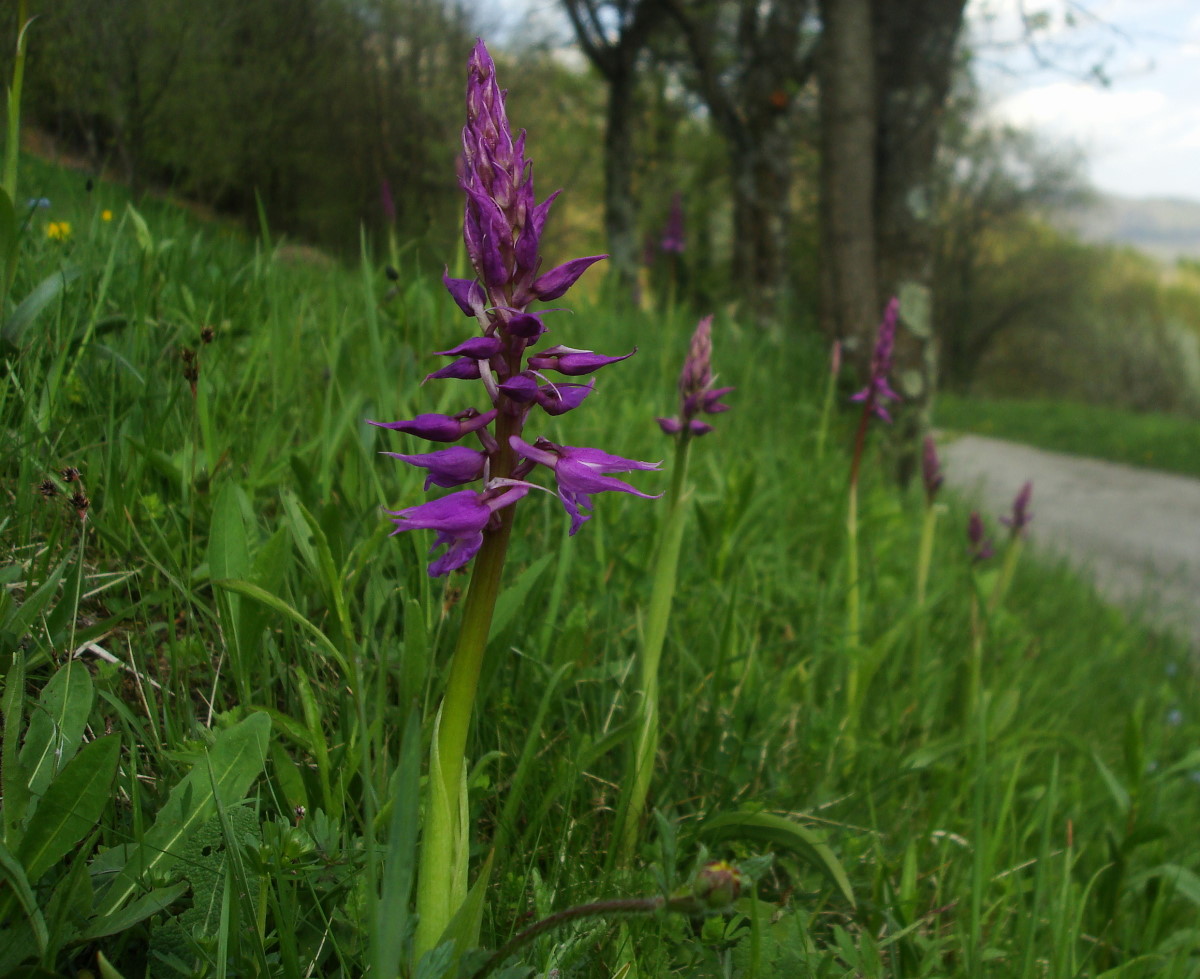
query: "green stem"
12, 149
662, 594
441, 885
925, 553
1011, 555
826, 412
631, 905
973, 700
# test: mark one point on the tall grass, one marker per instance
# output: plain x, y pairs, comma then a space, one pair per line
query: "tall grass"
1147, 439
258, 652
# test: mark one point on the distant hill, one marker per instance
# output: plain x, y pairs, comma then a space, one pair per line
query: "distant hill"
1165, 227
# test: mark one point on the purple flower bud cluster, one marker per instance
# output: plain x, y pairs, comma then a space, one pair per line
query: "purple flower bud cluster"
878, 391
502, 229
979, 545
696, 393
1020, 512
673, 241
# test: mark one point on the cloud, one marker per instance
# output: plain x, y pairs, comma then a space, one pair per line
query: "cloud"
1082, 112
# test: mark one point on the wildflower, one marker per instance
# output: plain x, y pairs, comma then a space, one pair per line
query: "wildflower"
718, 884
47, 488
572, 362
931, 470
70, 474
1020, 511
502, 230
207, 335
696, 393
979, 544
387, 203
106, 215
580, 472
459, 520
81, 503
58, 230
878, 391
441, 428
448, 467
672, 241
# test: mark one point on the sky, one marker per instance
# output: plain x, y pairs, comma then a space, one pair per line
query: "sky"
1140, 132
1139, 129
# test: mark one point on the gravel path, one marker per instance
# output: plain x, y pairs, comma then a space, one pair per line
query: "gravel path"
1136, 531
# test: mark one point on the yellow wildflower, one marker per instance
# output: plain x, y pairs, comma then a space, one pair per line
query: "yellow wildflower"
106, 215
58, 230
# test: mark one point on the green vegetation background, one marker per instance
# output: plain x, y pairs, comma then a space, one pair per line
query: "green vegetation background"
1048, 835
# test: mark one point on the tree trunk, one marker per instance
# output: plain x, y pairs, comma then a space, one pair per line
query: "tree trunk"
850, 306
620, 206
914, 48
760, 168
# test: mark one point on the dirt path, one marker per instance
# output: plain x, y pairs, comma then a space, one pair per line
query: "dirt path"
1136, 531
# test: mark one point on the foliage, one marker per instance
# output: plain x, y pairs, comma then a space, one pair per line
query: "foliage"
1150, 440
1087, 323
307, 104
234, 568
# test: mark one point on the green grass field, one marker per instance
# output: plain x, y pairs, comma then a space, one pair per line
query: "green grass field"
207, 682
1153, 441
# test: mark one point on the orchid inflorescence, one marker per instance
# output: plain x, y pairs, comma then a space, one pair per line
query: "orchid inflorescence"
878, 391
502, 229
696, 392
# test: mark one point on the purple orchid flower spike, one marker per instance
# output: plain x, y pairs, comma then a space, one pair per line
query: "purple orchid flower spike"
696, 393
387, 203
580, 472
673, 241
979, 545
878, 391
459, 520
502, 230
1020, 511
931, 470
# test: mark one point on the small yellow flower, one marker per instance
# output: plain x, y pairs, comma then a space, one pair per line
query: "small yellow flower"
58, 230
106, 215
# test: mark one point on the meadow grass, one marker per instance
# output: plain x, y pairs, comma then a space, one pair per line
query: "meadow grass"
1149, 440
260, 657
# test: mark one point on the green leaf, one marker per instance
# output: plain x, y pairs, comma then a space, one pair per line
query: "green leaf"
514, 597
106, 969
14, 781
56, 725
9, 240
236, 758
43, 294
1186, 882
228, 555
13, 875
141, 230
71, 806
35, 603
464, 927
283, 608
314, 546
400, 862
765, 827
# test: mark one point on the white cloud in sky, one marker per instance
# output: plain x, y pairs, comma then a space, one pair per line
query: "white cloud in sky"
1141, 132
